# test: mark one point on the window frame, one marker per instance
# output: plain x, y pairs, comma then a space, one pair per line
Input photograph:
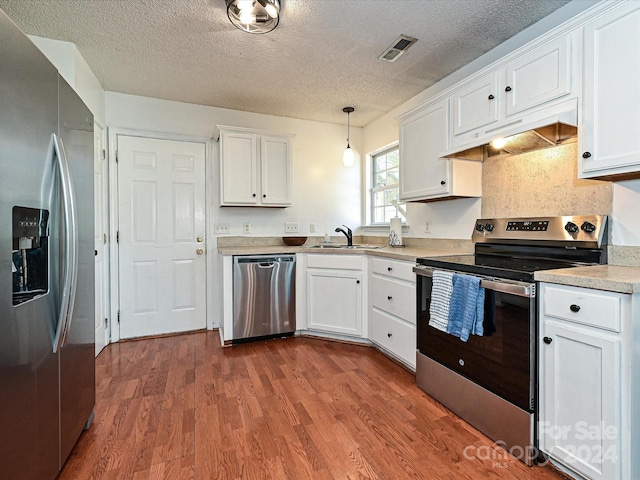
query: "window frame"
372, 190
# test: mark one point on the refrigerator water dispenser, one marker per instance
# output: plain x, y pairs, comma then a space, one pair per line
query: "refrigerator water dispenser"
30, 254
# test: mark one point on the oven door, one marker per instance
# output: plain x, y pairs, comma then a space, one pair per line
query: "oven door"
503, 362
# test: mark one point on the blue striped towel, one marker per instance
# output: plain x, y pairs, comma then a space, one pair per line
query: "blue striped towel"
441, 290
466, 311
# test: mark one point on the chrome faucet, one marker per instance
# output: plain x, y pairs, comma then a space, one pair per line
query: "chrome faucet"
348, 233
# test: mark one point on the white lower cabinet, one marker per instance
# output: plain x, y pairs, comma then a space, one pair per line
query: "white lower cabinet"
334, 294
585, 421
392, 308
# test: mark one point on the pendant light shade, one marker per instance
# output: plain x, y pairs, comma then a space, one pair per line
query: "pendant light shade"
348, 157
254, 16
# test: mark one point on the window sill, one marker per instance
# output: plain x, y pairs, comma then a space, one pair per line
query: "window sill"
381, 227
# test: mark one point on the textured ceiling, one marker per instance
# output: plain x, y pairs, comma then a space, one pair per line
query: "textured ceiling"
321, 58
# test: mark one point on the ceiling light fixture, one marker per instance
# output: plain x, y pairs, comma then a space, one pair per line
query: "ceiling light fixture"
348, 157
254, 16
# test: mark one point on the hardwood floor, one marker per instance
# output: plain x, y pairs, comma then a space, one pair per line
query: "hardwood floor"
183, 407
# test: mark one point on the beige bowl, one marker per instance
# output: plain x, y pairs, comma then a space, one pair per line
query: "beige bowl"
294, 241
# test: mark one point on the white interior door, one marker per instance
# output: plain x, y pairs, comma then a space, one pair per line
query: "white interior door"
100, 177
161, 201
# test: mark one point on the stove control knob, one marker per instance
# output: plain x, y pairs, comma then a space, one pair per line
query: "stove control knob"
479, 227
488, 227
571, 227
588, 227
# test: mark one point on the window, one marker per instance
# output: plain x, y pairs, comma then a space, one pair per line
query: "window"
384, 186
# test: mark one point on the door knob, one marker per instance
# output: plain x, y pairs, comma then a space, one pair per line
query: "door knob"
199, 251
200, 239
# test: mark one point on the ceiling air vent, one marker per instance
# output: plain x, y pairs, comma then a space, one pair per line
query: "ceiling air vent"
397, 48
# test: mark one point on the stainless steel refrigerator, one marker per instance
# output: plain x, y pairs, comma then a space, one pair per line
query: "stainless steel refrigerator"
47, 372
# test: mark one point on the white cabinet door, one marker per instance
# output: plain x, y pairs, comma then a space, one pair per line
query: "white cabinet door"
538, 76
477, 104
334, 301
239, 168
580, 394
610, 143
275, 170
422, 137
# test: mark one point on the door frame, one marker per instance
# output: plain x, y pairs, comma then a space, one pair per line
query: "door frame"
107, 248
114, 219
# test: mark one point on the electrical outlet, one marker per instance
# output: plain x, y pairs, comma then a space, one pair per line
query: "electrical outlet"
291, 227
246, 227
427, 227
222, 228
312, 228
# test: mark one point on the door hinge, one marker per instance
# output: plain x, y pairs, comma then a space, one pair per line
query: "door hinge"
104, 154
118, 236
118, 316
104, 238
106, 323
116, 156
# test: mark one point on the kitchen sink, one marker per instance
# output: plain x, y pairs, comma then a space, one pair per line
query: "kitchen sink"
352, 247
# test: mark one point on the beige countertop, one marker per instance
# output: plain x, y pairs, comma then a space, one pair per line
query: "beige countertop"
398, 253
612, 278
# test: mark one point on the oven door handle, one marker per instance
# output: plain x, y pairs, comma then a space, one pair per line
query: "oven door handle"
520, 289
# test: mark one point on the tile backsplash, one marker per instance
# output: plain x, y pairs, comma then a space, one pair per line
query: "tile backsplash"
541, 183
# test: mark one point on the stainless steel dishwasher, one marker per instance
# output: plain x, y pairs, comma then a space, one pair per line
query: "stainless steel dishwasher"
264, 296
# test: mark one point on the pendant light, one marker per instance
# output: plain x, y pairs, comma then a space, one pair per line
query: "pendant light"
348, 157
254, 16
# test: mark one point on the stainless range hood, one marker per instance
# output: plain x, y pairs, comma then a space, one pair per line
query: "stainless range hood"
520, 137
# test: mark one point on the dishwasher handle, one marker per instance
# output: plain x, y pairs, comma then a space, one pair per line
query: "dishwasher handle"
263, 261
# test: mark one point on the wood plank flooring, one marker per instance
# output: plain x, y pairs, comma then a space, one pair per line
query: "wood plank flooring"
183, 407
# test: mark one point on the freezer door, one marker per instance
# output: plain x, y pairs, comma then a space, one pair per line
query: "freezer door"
77, 367
28, 367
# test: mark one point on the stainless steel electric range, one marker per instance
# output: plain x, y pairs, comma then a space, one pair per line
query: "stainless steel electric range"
491, 380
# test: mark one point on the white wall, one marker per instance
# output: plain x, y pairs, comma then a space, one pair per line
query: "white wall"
324, 192
75, 70
626, 224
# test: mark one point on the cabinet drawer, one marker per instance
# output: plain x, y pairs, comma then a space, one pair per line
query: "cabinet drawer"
394, 335
589, 307
393, 268
336, 262
393, 297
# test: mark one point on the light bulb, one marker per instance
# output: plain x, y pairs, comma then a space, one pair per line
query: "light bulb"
247, 17
499, 142
244, 4
348, 157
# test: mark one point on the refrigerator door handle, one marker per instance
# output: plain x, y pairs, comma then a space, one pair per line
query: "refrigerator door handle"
67, 239
74, 243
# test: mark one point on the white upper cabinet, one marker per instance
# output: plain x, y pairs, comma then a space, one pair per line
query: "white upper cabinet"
255, 167
491, 102
424, 133
610, 139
